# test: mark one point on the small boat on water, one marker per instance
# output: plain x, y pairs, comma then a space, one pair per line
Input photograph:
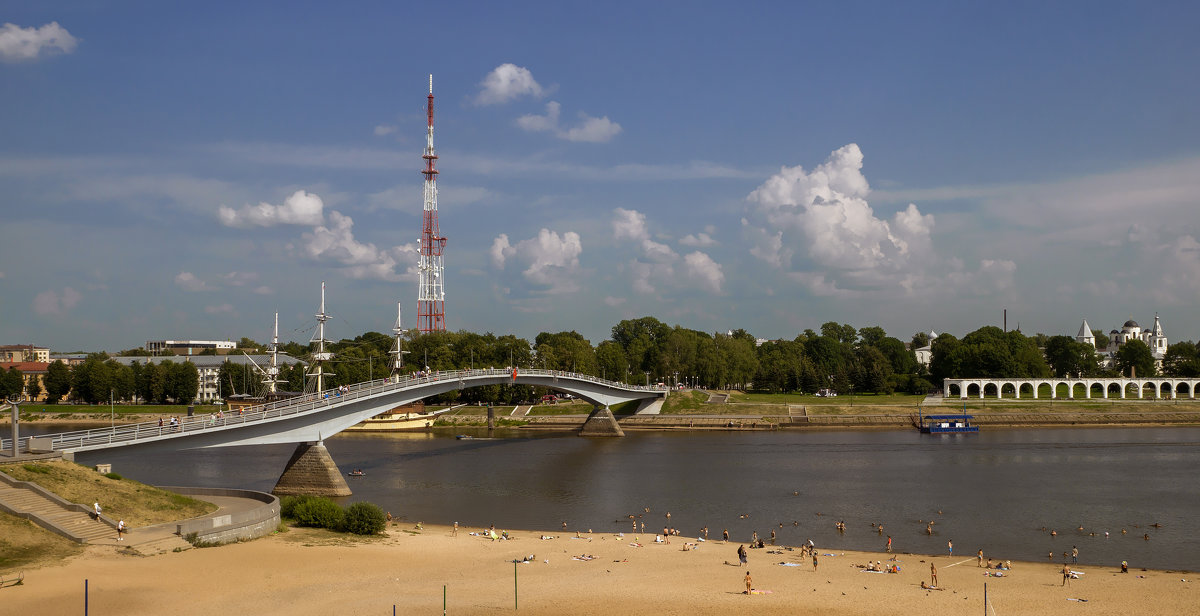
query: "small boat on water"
409, 418
357, 473
945, 424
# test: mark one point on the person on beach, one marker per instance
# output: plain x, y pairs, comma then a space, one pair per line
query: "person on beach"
1066, 574
1074, 555
705, 530
980, 557
725, 536
754, 538
932, 574
749, 582
742, 554
96, 510
814, 561
950, 547
1124, 566
772, 537
453, 533
121, 530
889, 545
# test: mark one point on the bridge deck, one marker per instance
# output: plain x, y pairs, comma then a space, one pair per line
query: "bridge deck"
101, 438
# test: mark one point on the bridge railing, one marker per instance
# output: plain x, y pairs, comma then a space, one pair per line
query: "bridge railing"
126, 433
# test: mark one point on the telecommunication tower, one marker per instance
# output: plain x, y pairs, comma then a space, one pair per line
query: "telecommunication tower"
431, 296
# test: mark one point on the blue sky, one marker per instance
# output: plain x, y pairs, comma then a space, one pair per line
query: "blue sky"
186, 171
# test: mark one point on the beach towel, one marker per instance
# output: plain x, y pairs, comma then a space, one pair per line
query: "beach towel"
790, 564
761, 592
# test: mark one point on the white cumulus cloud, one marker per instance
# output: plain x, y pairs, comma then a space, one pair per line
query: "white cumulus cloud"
703, 271
550, 260
824, 215
659, 266
19, 44
52, 303
225, 308
189, 282
384, 129
699, 240
507, 82
302, 208
335, 243
592, 130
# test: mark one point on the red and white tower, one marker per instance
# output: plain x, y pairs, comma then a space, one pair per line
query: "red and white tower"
431, 296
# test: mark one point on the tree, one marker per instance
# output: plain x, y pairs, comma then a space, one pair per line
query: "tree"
33, 387
919, 340
1135, 355
1182, 359
903, 360
1068, 357
871, 336
12, 383
57, 381
844, 334
1101, 339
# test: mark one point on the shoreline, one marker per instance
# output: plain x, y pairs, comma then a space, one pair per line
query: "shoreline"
718, 423
290, 573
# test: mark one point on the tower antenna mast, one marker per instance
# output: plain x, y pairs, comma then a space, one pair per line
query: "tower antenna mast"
431, 294
398, 346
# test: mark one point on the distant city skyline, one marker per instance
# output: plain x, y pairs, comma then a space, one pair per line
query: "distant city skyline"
185, 172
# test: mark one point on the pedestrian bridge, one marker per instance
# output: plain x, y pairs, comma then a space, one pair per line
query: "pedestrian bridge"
1158, 388
312, 418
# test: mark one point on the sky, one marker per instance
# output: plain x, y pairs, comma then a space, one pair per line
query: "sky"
186, 170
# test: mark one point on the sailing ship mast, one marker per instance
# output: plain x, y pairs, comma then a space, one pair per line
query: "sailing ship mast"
397, 348
321, 356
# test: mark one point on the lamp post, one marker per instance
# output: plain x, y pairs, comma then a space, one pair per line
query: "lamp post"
14, 401
112, 415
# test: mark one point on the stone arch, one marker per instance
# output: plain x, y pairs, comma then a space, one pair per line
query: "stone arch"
1164, 389
972, 389
1131, 389
1147, 388
1045, 389
990, 388
1077, 389
1008, 388
953, 389
1027, 389
1113, 389
1183, 387
1096, 389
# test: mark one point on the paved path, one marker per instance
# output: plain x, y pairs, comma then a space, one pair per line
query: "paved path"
147, 540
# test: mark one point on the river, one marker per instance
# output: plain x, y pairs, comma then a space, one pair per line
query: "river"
994, 490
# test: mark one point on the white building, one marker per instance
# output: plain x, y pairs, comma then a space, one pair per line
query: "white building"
925, 353
1153, 337
188, 347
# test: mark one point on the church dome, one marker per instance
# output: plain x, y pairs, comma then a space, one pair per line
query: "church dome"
1131, 323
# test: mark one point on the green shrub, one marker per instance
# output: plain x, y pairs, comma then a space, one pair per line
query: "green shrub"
287, 505
319, 512
36, 468
364, 519
113, 476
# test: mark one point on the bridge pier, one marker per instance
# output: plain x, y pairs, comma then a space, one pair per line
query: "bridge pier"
312, 472
601, 423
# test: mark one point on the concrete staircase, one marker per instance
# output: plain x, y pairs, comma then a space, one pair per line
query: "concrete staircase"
52, 515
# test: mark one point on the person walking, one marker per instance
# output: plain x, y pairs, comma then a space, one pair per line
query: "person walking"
950, 547
1074, 555
742, 554
725, 536
889, 545
96, 510
932, 573
749, 582
121, 530
980, 557
814, 561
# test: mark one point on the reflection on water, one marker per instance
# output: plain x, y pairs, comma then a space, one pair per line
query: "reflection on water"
995, 490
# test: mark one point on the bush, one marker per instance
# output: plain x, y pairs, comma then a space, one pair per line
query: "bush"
364, 519
319, 512
287, 505
113, 476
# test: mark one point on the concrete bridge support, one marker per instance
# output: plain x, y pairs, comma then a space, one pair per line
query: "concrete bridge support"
601, 423
311, 471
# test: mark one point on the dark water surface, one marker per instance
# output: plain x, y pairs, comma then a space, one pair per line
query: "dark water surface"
996, 489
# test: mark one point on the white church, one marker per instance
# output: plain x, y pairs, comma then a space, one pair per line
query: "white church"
1153, 337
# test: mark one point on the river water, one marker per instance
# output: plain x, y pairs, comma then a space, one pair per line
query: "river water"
994, 490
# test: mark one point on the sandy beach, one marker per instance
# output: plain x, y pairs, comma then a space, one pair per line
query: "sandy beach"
314, 572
